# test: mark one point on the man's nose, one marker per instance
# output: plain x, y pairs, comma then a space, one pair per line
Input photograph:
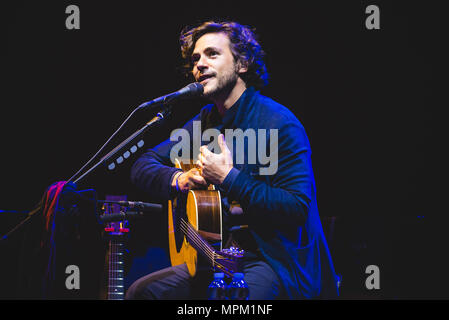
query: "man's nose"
202, 64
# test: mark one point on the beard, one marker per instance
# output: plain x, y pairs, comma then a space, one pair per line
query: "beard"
221, 84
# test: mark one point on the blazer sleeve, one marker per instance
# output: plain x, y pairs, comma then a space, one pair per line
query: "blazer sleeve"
153, 171
286, 195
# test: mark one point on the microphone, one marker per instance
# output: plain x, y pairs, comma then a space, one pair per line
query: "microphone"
191, 90
142, 206
114, 217
138, 205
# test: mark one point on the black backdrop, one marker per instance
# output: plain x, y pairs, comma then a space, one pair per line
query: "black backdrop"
365, 97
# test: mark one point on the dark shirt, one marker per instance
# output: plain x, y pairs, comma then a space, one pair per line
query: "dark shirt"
280, 209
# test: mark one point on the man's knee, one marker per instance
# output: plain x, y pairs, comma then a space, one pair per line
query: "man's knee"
263, 283
141, 289
159, 285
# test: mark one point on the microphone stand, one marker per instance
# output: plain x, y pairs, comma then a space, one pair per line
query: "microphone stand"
21, 223
128, 146
116, 156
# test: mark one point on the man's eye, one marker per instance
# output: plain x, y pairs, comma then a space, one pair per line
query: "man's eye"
194, 59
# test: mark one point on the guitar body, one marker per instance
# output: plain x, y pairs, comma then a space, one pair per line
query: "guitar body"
202, 210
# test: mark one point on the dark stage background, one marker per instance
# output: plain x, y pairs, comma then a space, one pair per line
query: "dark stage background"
365, 97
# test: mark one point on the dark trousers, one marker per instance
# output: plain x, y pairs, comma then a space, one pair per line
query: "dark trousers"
175, 283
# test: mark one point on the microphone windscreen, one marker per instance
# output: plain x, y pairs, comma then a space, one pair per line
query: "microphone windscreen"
196, 89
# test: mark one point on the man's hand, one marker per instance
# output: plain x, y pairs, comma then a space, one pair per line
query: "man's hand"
215, 167
191, 179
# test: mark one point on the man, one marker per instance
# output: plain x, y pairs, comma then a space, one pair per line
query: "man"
286, 255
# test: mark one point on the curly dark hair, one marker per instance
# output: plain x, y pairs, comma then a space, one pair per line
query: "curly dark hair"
244, 48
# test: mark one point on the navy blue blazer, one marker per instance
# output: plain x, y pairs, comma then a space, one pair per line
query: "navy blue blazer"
281, 208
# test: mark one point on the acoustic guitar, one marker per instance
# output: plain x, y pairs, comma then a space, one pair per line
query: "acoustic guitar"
195, 226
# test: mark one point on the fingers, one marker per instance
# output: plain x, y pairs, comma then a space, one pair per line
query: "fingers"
200, 167
201, 160
198, 180
195, 178
204, 153
222, 143
196, 171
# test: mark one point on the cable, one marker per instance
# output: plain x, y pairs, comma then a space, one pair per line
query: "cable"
105, 144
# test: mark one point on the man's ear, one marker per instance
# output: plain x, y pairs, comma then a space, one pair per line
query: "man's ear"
242, 67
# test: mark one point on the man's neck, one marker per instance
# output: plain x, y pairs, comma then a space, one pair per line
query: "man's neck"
226, 102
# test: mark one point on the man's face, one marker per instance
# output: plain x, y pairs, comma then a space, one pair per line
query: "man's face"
214, 65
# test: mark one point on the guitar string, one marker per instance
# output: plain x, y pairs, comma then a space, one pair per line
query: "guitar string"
109, 258
111, 262
196, 238
199, 240
114, 274
111, 268
114, 257
115, 278
211, 258
209, 255
193, 232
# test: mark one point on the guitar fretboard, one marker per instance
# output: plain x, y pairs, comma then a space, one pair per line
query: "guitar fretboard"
116, 287
226, 261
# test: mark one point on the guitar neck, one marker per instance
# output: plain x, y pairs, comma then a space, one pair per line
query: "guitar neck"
116, 284
116, 250
196, 241
227, 261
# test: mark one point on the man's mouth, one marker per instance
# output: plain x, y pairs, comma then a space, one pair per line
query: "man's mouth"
204, 77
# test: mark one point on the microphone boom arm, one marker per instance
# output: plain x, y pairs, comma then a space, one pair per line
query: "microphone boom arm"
130, 145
